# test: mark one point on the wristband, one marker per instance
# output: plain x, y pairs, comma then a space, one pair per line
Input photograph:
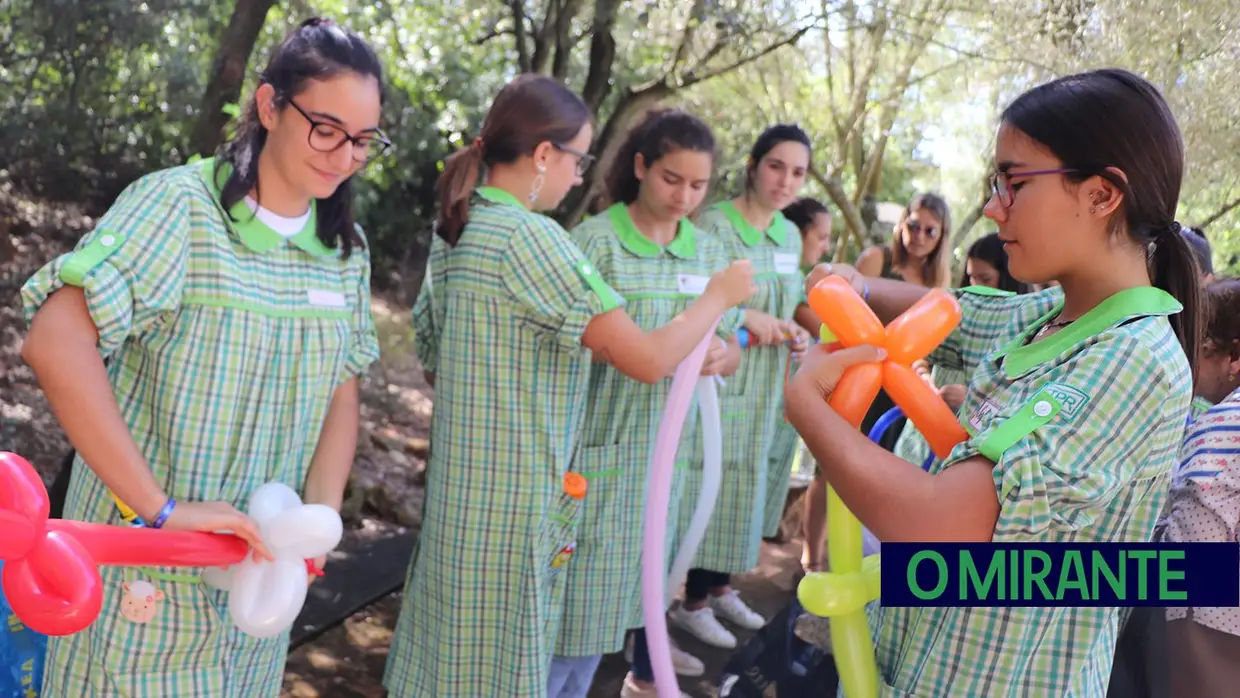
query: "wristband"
164, 513
865, 291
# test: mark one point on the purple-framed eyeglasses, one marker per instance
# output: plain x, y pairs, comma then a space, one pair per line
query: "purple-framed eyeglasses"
1001, 182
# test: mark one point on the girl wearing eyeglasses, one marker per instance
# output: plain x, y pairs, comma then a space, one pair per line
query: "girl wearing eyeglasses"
231, 299
1077, 399
520, 312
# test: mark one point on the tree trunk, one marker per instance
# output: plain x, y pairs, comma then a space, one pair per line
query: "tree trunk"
602, 55
228, 73
632, 104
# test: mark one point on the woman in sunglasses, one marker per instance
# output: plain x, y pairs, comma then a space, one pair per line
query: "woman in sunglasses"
231, 299
918, 252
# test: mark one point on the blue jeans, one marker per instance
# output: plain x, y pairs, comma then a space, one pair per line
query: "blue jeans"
642, 670
571, 676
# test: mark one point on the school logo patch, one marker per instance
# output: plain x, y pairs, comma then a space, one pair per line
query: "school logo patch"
982, 415
1071, 400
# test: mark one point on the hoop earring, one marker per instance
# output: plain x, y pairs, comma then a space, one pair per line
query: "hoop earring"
539, 181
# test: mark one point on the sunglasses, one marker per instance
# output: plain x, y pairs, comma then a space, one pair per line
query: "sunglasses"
916, 228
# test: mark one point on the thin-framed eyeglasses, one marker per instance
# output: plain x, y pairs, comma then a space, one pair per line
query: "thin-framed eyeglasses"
584, 160
1001, 182
327, 137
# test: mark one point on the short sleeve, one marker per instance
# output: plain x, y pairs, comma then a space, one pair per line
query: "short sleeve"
1209, 473
425, 337
131, 266
364, 347
550, 276
1079, 436
986, 315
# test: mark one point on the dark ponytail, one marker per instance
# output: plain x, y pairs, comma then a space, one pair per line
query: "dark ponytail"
1107, 120
318, 49
530, 110
1174, 269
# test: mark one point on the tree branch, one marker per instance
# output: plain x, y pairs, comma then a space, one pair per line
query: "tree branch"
1217, 215
693, 77
518, 34
686, 38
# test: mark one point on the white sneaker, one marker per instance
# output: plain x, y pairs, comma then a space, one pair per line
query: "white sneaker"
684, 663
702, 625
731, 608
632, 690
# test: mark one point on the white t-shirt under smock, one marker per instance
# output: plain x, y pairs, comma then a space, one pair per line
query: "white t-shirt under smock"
1204, 505
285, 226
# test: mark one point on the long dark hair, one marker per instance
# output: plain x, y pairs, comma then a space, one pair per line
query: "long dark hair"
771, 137
989, 249
1115, 119
936, 268
663, 131
530, 110
317, 50
802, 212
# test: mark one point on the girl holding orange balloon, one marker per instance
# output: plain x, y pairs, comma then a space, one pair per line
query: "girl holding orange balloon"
1078, 394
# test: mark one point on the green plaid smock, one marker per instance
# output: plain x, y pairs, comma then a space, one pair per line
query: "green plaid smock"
424, 319
1096, 470
750, 403
485, 586
603, 589
226, 342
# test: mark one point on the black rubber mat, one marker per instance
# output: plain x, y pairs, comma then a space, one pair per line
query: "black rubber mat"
351, 582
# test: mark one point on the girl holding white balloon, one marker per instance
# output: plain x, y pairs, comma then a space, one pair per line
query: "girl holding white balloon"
232, 298
647, 249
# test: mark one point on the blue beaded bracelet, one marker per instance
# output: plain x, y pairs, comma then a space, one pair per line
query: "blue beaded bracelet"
164, 513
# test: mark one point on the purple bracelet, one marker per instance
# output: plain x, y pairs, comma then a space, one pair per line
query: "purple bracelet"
865, 291
164, 513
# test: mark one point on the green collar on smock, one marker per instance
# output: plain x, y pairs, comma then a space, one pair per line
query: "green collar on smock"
684, 245
776, 231
1019, 357
498, 196
254, 233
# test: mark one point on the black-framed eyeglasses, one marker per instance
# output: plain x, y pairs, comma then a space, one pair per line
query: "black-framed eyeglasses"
1001, 182
584, 160
327, 137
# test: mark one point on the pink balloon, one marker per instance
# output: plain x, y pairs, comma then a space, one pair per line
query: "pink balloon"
658, 496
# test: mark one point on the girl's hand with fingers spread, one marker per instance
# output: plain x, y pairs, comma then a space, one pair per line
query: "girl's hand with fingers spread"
211, 517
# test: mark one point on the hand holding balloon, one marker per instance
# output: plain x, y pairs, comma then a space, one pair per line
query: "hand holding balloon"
822, 368
265, 597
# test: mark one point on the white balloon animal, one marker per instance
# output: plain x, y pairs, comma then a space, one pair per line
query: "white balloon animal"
266, 597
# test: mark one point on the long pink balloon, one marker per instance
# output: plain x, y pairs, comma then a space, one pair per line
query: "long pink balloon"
658, 496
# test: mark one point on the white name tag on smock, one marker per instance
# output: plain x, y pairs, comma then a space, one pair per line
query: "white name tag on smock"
689, 283
325, 299
786, 263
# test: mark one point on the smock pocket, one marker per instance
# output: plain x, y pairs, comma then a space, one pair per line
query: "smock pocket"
558, 540
613, 510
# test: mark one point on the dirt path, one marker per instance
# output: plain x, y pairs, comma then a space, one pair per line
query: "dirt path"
348, 661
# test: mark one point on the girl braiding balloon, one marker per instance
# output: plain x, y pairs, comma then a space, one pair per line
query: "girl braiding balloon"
646, 248
231, 298
1077, 398
521, 312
